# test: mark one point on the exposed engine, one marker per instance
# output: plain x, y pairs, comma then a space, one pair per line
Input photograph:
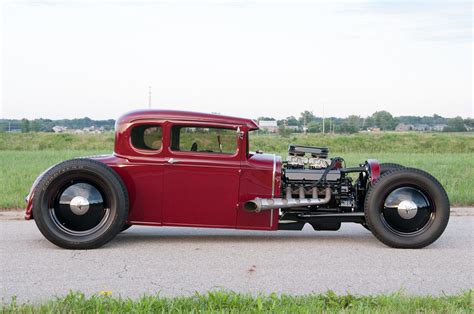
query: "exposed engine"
313, 183
308, 172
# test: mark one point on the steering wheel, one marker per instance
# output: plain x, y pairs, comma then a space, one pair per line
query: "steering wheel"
194, 147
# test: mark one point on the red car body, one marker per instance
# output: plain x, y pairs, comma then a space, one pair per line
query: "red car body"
195, 189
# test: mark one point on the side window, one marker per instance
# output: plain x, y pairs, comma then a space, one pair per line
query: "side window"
204, 140
147, 137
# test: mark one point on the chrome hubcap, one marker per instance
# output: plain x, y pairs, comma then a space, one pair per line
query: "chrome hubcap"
407, 209
79, 205
80, 209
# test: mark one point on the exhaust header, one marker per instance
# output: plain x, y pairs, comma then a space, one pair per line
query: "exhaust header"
260, 204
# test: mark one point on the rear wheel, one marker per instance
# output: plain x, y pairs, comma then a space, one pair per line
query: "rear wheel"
407, 208
80, 204
384, 168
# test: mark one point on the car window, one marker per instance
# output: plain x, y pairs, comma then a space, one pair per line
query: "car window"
147, 137
204, 140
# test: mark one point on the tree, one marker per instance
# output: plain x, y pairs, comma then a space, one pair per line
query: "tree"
384, 120
306, 116
368, 123
314, 127
469, 122
35, 126
25, 126
353, 124
265, 119
292, 121
284, 131
455, 125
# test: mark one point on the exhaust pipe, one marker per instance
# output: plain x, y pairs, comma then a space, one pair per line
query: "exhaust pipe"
260, 204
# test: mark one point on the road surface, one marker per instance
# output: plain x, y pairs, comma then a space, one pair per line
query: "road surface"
180, 261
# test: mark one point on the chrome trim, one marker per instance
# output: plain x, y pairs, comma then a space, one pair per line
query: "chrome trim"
273, 187
259, 204
79, 205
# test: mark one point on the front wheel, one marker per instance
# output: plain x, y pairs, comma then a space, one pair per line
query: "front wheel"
80, 204
407, 208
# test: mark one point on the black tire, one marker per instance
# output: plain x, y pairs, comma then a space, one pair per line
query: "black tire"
125, 227
389, 166
384, 167
405, 227
80, 204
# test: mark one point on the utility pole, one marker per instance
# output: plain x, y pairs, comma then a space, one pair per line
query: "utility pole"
323, 119
149, 97
305, 129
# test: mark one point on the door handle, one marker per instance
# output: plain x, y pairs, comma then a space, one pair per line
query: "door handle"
172, 161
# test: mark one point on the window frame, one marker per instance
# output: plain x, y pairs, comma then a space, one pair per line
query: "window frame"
206, 154
147, 151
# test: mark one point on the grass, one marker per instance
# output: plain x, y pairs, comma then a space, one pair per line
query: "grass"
229, 302
455, 171
446, 156
356, 143
423, 143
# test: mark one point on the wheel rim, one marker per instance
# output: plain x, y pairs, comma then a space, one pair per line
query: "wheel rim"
79, 209
407, 211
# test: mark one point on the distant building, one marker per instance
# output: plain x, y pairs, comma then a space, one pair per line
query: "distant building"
421, 127
268, 125
59, 129
373, 129
439, 127
402, 127
293, 127
93, 129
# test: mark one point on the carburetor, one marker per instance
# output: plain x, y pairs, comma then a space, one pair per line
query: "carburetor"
297, 160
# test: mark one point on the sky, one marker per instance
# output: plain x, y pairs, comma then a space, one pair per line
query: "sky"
71, 59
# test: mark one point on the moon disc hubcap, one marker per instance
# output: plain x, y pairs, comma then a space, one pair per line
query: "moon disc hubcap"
407, 209
79, 205
80, 209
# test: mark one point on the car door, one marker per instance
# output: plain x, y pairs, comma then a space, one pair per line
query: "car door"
202, 176
144, 171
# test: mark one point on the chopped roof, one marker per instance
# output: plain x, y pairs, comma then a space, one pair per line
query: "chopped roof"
185, 116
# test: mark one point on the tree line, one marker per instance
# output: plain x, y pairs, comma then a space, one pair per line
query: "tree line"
46, 125
382, 120
305, 122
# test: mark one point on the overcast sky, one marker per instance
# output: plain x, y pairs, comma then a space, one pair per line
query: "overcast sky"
67, 59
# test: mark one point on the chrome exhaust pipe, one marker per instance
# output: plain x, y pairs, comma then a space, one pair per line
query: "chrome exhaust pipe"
260, 204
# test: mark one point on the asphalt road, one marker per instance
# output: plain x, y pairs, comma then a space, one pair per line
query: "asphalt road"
180, 261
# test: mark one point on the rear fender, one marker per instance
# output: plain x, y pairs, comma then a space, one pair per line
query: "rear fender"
373, 169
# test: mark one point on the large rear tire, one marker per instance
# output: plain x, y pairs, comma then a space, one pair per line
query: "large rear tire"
389, 166
407, 208
80, 204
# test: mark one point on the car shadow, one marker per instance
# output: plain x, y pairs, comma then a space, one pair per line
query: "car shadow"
137, 235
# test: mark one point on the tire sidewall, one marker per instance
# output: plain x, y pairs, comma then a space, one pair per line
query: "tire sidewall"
407, 177
101, 175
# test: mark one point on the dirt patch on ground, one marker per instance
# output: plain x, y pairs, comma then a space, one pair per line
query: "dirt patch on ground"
12, 214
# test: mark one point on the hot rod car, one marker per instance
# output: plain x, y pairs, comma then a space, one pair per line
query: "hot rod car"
174, 168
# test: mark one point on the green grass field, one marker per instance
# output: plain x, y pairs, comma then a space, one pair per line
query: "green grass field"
449, 157
228, 302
